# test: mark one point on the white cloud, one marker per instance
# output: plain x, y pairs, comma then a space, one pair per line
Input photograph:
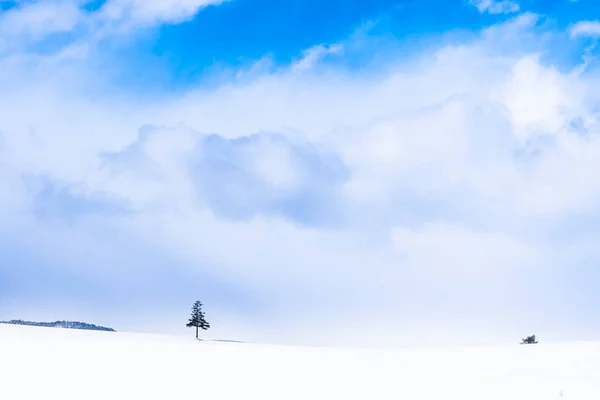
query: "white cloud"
39, 19
33, 21
496, 6
585, 28
314, 55
151, 12
539, 99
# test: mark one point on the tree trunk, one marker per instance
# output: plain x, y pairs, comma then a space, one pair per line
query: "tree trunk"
196, 331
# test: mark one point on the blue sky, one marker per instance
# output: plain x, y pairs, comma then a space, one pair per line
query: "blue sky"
237, 33
426, 165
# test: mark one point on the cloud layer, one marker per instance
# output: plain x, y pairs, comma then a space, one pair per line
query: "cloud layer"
421, 195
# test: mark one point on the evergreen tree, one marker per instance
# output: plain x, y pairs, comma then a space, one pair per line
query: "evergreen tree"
529, 340
198, 319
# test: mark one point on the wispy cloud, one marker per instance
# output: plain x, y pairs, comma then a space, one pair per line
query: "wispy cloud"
150, 12
496, 6
34, 21
585, 28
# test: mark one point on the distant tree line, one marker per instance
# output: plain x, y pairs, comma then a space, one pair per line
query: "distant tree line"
60, 324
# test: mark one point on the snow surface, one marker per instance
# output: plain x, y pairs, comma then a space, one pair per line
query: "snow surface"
47, 363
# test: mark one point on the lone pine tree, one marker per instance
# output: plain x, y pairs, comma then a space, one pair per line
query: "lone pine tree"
198, 319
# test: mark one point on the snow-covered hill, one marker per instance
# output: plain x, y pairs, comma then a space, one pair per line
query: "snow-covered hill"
40, 363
